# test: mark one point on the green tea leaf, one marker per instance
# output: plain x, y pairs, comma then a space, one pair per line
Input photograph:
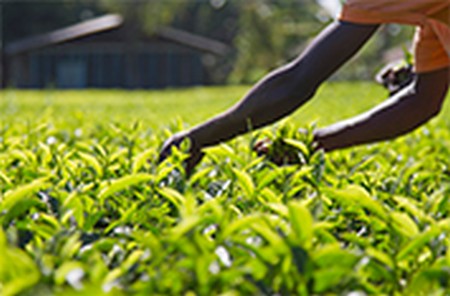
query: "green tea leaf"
172, 195
5, 178
183, 227
67, 267
418, 242
333, 254
92, 162
298, 145
301, 223
14, 196
240, 224
404, 224
111, 187
245, 182
355, 194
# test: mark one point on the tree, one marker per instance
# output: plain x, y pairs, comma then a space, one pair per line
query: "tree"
270, 33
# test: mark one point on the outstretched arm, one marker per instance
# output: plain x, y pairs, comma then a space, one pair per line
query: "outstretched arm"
283, 90
400, 114
287, 88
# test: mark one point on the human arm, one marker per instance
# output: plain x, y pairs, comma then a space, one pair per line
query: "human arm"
400, 114
282, 91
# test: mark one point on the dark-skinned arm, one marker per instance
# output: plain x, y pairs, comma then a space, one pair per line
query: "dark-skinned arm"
402, 113
280, 92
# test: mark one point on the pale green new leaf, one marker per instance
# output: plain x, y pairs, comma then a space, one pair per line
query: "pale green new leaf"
301, 223
172, 195
403, 224
381, 257
17, 194
354, 194
412, 209
184, 226
92, 161
298, 145
199, 175
62, 272
18, 272
111, 187
245, 182
334, 254
132, 259
240, 224
418, 242
5, 178
268, 178
280, 209
269, 235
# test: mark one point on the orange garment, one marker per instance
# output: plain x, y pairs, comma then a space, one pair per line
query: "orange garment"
432, 17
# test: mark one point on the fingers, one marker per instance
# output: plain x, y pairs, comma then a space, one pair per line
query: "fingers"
166, 149
175, 141
192, 162
262, 147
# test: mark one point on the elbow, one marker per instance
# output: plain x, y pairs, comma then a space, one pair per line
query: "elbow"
430, 93
427, 110
435, 111
433, 107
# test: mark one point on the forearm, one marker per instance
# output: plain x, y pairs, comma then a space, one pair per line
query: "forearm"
268, 101
397, 116
287, 88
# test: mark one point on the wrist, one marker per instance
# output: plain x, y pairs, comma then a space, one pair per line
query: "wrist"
195, 144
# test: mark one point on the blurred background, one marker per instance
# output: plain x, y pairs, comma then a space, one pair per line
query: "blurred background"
154, 44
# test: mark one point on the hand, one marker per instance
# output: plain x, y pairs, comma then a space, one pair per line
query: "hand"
194, 158
281, 153
278, 152
395, 76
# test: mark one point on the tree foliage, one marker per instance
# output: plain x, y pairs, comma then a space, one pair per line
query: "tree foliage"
264, 32
271, 32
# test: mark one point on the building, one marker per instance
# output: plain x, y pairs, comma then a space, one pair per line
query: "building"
108, 52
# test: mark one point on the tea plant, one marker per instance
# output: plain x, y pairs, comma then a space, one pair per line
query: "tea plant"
94, 213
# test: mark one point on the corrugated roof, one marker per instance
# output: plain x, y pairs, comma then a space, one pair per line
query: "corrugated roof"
109, 22
193, 40
85, 28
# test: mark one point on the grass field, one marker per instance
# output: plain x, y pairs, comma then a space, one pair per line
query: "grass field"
159, 108
86, 210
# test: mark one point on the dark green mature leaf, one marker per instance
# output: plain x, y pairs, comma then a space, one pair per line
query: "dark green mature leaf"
301, 259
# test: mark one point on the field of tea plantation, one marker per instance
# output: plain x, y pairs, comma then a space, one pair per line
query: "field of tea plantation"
85, 209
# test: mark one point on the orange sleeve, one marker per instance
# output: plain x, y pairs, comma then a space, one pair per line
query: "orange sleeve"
432, 40
429, 52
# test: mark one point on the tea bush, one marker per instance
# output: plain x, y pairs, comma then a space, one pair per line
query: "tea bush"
85, 209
